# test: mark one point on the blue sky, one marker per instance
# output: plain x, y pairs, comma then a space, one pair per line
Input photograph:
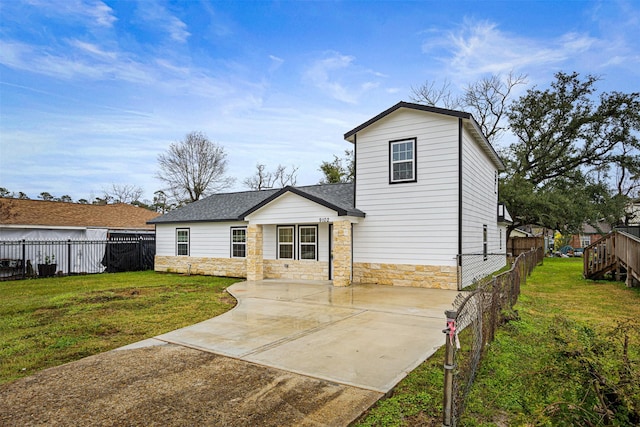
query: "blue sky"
92, 91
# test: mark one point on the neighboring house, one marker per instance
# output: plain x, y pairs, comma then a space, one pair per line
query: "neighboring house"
36, 231
423, 209
46, 220
589, 234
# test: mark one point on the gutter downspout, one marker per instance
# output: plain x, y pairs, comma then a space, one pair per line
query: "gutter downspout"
459, 257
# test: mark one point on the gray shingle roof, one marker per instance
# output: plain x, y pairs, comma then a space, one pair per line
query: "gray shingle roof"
235, 206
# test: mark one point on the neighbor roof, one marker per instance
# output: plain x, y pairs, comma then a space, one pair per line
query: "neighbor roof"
470, 124
236, 206
61, 214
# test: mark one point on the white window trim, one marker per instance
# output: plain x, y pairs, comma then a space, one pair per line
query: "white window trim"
179, 243
314, 244
239, 243
413, 161
292, 243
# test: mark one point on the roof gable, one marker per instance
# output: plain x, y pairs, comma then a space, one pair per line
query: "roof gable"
470, 125
337, 197
60, 214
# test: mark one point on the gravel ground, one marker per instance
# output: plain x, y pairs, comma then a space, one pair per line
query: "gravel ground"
170, 385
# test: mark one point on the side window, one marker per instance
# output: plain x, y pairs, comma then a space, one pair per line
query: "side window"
182, 241
285, 242
308, 236
485, 242
238, 242
402, 161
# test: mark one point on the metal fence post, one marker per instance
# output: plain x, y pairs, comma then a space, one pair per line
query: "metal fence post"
449, 366
68, 257
24, 258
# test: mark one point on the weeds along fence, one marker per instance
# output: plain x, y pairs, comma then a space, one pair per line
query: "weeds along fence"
472, 324
22, 259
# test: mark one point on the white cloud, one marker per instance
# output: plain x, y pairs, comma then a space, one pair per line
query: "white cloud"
478, 48
92, 11
159, 17
338, 76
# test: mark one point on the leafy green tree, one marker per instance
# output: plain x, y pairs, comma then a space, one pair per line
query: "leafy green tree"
338, 170
567, 142
46, 196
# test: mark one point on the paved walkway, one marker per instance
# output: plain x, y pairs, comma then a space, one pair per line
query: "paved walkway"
365, 336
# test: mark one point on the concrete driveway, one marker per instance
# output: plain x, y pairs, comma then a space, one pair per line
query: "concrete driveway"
366, 336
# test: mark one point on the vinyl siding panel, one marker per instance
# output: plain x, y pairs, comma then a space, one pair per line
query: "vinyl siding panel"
291, 209
479, 208
408, 223
206, 239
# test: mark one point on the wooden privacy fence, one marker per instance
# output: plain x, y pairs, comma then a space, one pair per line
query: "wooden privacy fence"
616, 252
521, 245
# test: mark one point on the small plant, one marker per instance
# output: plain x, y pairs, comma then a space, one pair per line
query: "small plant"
49, 259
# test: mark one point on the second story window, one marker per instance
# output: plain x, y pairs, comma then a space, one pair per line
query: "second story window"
402, 161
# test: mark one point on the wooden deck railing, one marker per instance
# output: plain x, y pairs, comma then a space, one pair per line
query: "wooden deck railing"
615, 251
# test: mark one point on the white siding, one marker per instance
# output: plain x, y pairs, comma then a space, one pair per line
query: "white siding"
479, 208
408, 223
291, 209
206, 239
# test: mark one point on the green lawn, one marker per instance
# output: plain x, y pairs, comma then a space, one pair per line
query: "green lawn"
563, 362
47, 322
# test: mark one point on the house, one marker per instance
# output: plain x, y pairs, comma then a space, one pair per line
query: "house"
423, 211
589, 234
72, 236
48, 220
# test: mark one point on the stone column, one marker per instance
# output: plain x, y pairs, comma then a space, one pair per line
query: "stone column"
341, 253
255, 269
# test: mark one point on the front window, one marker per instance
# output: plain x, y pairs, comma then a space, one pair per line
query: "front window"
285, 242
182, 241
308, 242
402, 166
238, 242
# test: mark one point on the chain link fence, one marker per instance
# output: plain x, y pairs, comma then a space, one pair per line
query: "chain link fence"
477, 268
22, 259
472, 324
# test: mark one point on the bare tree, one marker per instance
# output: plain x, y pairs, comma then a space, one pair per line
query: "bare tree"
123, 193
264, 179
486, 99
193, 168
429, 94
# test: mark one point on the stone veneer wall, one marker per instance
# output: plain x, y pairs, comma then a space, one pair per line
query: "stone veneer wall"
224, 267
255, 266
342, 253
295, 269
417, 276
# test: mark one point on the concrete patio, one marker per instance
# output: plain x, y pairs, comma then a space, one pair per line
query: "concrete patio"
366, 336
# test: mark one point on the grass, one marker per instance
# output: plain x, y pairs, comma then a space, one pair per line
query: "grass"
564, 361
48, 322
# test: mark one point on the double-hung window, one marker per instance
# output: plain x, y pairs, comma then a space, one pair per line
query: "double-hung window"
285, 242
238, 242
182, 241
402, 161
308, 236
